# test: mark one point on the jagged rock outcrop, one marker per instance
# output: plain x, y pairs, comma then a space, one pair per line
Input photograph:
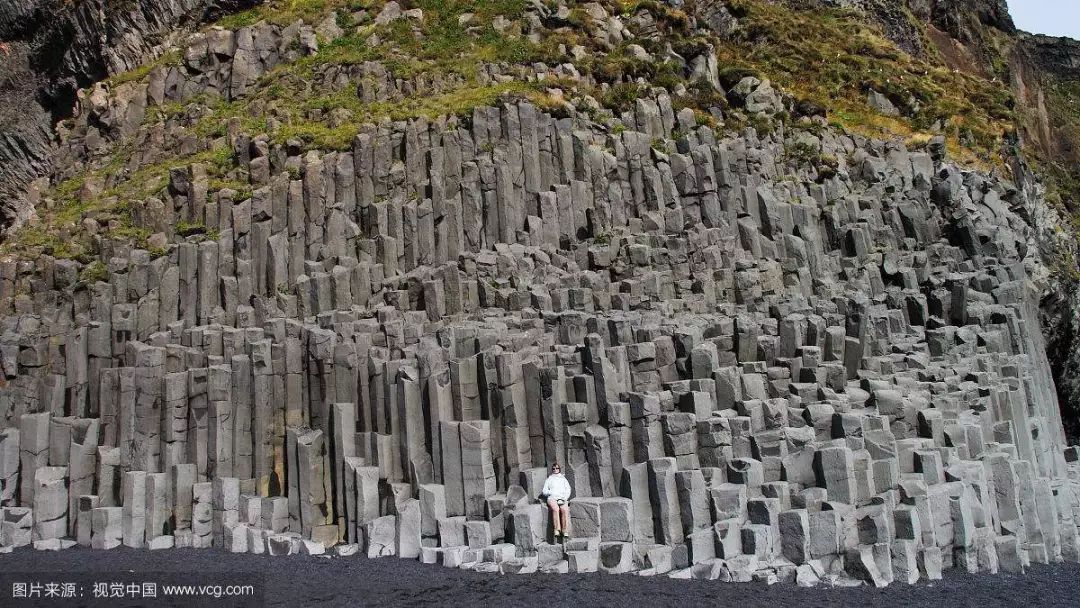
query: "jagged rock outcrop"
979, 37
1044, 70
63, 47
1058, 56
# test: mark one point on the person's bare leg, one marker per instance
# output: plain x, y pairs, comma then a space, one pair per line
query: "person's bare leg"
555, 520
565, 520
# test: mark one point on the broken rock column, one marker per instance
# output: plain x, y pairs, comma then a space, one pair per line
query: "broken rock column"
226, 506
310, 507
664, 494
835, 471
50, 503
202, 515
477, 470
107, 527
9, 466
85, 519
82, 464
134, 501
33, 452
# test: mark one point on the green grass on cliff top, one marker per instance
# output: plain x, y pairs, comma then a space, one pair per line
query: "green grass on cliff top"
832, 58
827, 57
318, 118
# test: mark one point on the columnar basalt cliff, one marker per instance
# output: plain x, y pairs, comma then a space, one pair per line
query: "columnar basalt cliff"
289, 292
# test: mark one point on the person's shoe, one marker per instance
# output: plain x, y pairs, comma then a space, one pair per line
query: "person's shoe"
557, 535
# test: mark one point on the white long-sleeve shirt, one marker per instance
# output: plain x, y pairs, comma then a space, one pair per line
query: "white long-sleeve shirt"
556, 486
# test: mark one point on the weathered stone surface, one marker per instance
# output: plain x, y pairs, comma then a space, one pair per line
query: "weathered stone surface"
380, 536
50, 503
107, 527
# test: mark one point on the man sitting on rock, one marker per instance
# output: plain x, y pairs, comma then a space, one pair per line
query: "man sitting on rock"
557, 493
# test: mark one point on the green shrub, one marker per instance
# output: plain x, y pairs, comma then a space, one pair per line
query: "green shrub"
94, 272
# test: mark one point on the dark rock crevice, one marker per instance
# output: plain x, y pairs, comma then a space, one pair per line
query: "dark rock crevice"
1061, 320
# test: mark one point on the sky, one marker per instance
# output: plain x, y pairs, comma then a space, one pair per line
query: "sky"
1051, 17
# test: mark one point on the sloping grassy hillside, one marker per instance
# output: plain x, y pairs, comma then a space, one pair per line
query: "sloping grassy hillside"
833, 59
826, 60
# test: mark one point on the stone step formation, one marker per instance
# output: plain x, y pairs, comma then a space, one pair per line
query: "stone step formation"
749, 368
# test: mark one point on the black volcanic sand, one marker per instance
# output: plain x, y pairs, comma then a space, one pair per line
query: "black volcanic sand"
356, 581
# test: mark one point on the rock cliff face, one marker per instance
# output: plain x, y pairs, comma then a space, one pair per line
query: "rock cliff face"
1046, 77
288, 291
1043, 72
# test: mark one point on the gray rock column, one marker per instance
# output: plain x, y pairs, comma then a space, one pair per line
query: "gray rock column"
84, 525
182, 484
635, 486
108, 476
134, 509
226, 507
9, 466
107, 529
664, 495
343, 446
202, 515
450, 436
834, 468
33, 452
50, 503
477, 470
158, 510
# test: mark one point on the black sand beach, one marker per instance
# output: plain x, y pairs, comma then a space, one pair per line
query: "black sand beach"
356, 581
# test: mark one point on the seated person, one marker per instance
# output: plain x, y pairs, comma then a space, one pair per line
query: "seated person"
557, 493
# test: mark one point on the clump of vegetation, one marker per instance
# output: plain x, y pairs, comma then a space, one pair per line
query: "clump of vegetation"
668, 16
241, 188
186, 229
41, 239
620, 66
94, 272
170, 57
109, 207
803, 153
621, 97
